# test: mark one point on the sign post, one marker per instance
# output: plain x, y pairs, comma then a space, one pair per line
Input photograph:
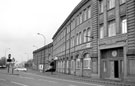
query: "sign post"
9, 61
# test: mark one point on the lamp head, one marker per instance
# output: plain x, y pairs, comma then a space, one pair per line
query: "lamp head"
38, 33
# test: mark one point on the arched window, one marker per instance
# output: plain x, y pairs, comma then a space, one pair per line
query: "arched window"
87, 61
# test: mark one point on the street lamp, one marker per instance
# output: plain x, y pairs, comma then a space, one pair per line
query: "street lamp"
35, 46
44, 50
42, 36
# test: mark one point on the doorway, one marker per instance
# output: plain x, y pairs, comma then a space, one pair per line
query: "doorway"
116, 69
114, 72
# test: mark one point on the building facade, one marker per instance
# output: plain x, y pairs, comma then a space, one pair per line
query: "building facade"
43, 56
98, 40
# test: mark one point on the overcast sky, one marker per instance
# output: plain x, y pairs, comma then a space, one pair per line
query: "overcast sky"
21, 20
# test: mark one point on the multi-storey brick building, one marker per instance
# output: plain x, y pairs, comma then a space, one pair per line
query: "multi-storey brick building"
43, 56
98, 40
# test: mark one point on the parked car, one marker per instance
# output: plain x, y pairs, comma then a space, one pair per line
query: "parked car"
21, 69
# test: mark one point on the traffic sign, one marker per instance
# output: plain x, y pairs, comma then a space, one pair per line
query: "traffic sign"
9, 60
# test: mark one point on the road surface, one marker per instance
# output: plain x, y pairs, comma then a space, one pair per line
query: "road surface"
30, 79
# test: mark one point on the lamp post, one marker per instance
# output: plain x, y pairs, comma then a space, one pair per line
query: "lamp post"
44, 50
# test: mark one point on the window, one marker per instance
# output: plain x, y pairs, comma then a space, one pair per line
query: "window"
101, 6
124, 25
122, 1
80, 38
78, 63
84, 35
73, 43
89, 34
101, 31
72, 24
89, 12
80, 18
85, 15
77, 39
111, 28
87, 62
131, 66
111, 4
72, 64
77, 20
68, 28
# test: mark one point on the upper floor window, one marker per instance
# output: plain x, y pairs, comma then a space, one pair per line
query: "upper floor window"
80, 38
85, 15
124, 25
111, 4
122, 1
101, 6
111, 28
68, 28
80, 18
77, 20
101, 31
89, 12
84, 35
72, 24
89, 31
77, 39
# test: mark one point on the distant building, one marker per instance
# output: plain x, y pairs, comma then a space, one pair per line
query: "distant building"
42, 56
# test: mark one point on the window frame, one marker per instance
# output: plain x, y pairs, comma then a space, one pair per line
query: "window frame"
101, 27
111, 24
111, 4
123, 24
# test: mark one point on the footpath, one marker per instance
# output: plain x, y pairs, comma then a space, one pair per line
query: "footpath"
84, 79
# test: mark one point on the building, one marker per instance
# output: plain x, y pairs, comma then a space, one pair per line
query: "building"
97, 40
42, 56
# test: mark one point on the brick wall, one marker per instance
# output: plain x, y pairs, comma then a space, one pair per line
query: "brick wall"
131, 26
95, 27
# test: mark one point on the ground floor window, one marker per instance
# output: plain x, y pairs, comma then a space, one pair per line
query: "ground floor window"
131, 66
87, 62
78, 63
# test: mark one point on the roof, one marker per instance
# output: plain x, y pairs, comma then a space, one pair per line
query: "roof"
44, 47
70, 16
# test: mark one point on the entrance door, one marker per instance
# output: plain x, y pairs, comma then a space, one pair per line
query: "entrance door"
114, 69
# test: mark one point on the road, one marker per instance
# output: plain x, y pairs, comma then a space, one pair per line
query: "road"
31, 79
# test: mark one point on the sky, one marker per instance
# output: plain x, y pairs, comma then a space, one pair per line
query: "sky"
21, 20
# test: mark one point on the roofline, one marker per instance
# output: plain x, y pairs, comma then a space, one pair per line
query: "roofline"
44, 47
70, 16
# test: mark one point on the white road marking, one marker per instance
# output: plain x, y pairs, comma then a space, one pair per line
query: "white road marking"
18, 83
47, 80
65, 80
26, 77
2, 80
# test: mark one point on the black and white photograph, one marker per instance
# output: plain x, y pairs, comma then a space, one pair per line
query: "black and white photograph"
67, 42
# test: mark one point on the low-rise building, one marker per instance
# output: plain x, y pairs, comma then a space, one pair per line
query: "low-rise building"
42, 56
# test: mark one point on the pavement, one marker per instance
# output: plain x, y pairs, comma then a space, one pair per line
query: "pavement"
83, 79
